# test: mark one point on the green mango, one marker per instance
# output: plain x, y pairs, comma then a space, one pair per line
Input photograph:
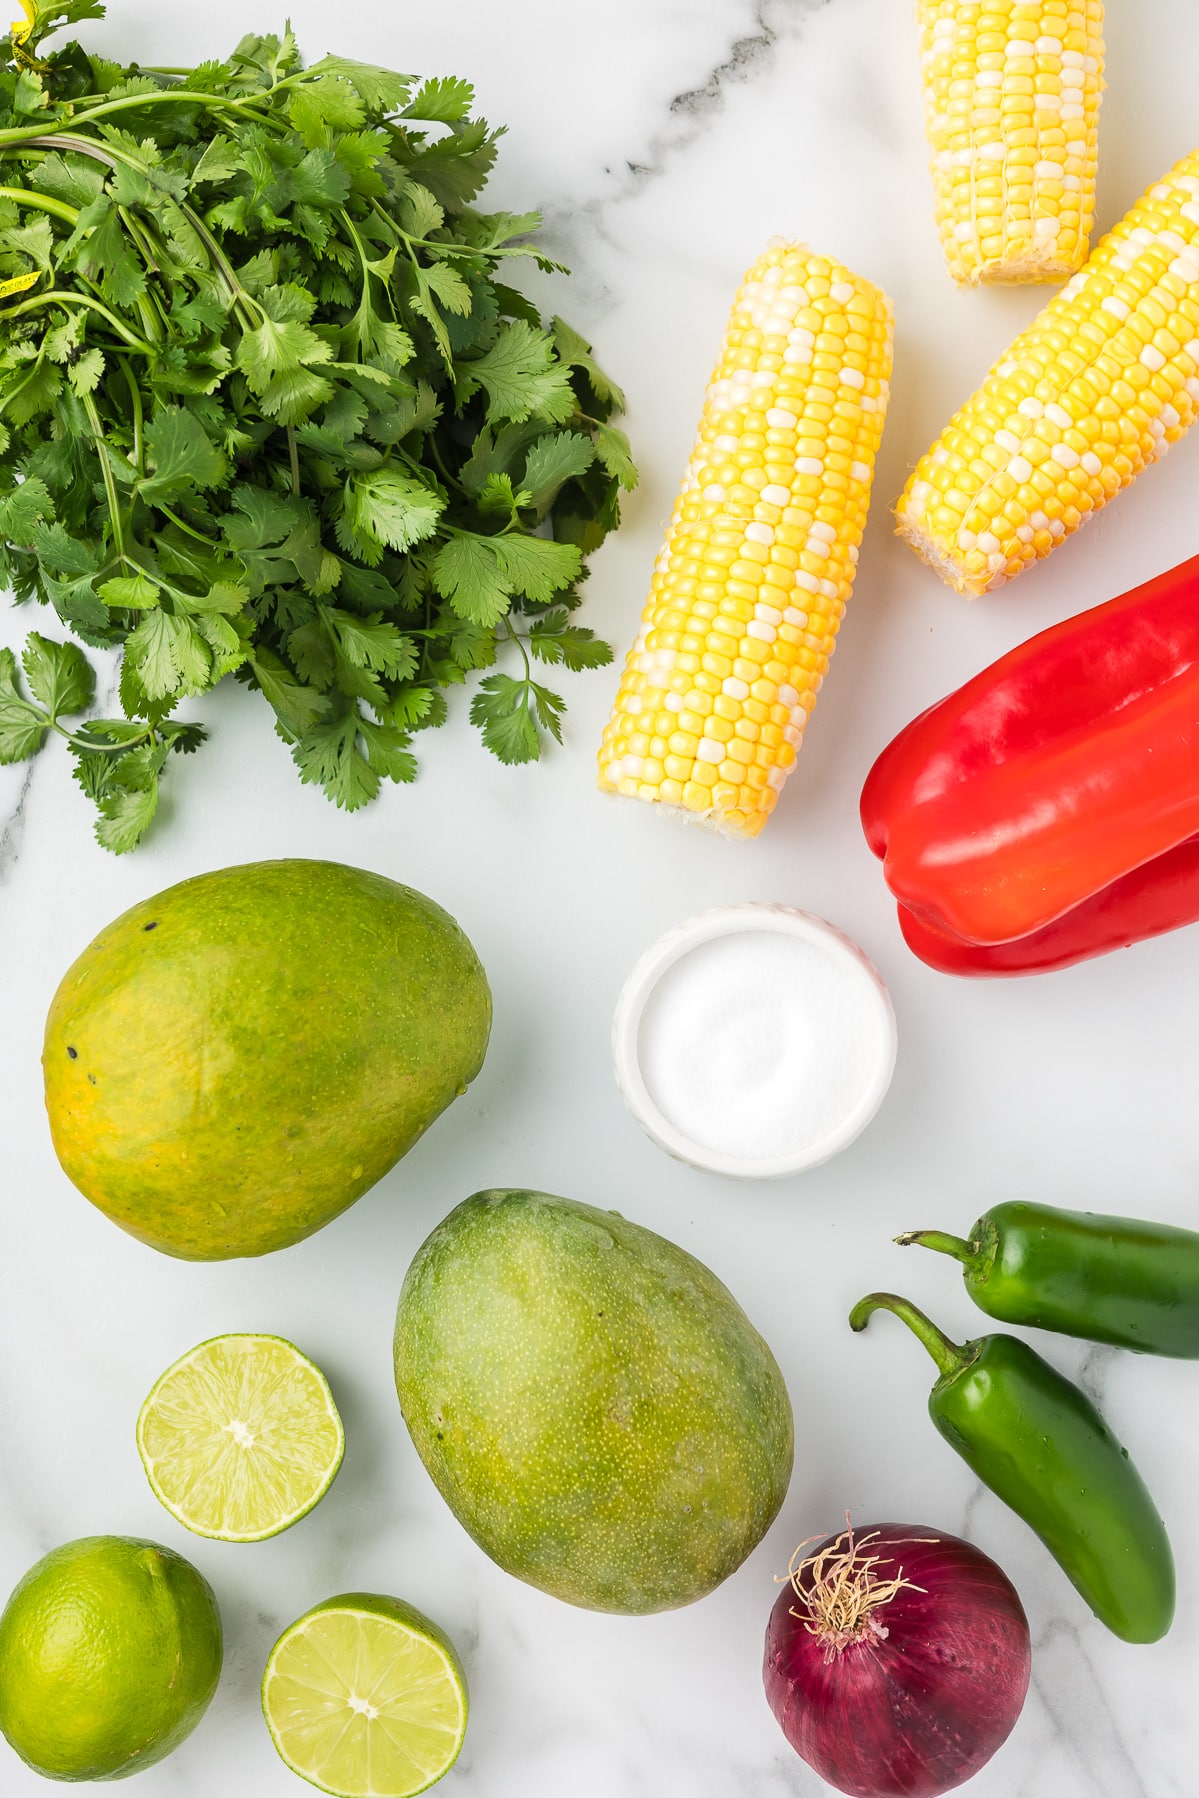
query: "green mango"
591, 1402
232, 1063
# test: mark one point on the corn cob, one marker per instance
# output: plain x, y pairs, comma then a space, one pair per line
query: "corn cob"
760, 554
1098, 387
1012, 91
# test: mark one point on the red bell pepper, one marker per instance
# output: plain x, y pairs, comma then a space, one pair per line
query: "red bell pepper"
1042, 813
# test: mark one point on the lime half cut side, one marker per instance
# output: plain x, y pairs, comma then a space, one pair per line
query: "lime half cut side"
366, 1698
240, 1438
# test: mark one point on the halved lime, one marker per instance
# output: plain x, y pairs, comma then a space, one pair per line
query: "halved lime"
365, 1698
240, 1438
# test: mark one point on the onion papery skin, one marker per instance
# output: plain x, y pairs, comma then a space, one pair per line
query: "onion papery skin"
915, 1713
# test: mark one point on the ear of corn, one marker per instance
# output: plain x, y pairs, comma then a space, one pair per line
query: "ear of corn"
760, 554
1012, 91
1098, 387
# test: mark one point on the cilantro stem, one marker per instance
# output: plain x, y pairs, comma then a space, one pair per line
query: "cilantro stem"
294, 454
149, 308
110, 486
79, 742
135, 395
511, 636
111, 157
224, 267
208, 542
28, 196
148, 313
58, 297
141, 238
168, 96
435, 450
62, 141
396, 230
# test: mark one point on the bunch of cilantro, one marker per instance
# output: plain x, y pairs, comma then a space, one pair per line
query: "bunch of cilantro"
269, 409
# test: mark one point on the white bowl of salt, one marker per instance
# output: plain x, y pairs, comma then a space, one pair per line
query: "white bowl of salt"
754, 1041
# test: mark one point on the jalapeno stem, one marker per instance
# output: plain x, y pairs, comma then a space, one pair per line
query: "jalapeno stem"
957, 1246
949, 1356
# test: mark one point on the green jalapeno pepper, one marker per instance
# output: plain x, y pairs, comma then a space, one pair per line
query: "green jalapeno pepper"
1042, 1447
1109, 1279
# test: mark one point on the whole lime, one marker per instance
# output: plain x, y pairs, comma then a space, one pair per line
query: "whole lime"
232, 1063
593, 1404
110, 1652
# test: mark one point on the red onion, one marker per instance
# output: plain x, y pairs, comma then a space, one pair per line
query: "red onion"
897, 1660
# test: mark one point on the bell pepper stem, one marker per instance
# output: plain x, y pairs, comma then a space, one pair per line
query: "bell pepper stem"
949, 1356
942, 1242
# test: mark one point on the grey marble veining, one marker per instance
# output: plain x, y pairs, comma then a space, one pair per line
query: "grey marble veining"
667, 140
12, 818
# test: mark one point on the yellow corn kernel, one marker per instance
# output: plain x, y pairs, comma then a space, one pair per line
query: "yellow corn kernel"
1012, 90
762, 548
1073, 431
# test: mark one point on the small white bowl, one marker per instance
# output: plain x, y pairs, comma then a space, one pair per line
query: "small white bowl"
851, 965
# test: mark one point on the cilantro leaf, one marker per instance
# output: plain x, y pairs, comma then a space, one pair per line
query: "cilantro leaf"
441, 100
382, 91
35, 240
498, 498
167, 655
22, 726
328, 755
479, 575
549, 708
386, 509
181, 455
50, 14
297, 706
320, 180
416, 708
449, 287
503, 710
370, 643
220, 162
536, 566
493, 230
387, 751
85, 372
420, 214
129, 801
552, 462
103, 252
575, 352
132, 593
23, 509
469, 574
278, 360
183, 739
33, 394
553, 638
612, 450
62, 552
497, 452
456, 166
78, 605
75, 179
520, 377
59, 675
324, 105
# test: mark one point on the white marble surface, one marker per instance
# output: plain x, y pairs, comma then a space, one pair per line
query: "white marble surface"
666, 143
